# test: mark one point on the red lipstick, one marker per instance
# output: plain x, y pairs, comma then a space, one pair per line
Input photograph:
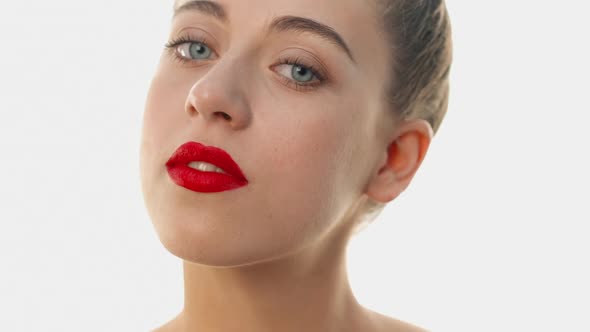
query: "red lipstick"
204, 181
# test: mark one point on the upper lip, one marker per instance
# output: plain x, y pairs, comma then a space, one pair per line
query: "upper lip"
193, 151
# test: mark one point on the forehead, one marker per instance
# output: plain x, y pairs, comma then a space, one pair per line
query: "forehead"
353, 12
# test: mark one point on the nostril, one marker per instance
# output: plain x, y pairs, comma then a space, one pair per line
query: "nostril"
224, 115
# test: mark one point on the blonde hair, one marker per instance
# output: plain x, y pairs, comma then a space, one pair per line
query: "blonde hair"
419, 33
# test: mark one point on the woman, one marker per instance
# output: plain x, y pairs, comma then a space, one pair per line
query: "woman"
272, 130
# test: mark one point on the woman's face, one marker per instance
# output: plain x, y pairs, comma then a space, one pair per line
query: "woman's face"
306, 151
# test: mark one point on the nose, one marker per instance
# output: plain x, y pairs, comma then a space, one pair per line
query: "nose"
219, 96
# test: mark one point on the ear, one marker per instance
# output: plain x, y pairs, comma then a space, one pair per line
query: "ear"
401, 160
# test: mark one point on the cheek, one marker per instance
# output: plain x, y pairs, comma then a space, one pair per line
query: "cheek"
324, 144
162, 118
310, 165
164, 111
164, 106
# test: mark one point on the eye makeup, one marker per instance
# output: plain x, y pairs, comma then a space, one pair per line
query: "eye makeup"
298, 64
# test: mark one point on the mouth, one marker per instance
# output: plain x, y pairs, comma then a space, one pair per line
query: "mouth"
207, 169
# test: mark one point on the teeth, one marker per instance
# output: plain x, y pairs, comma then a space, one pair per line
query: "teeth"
205, 167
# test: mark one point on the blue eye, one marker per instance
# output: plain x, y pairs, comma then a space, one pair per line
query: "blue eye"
195, 50
297, 73
301, 73
187, 49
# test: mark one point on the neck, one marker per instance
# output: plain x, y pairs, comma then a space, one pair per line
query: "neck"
308, 291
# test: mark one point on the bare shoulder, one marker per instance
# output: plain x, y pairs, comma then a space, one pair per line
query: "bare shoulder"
372, 322
383, 323
164, 328
171, 326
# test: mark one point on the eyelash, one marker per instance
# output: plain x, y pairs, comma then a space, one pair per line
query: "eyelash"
172, 45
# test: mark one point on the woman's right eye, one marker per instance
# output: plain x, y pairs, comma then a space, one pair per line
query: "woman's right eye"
194, 50
188, 50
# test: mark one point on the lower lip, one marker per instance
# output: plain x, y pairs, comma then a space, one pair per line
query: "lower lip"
203, 182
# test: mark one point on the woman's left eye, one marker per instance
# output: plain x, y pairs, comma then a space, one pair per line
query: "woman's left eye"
299, 73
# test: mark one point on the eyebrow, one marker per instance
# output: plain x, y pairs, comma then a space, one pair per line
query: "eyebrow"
281, 23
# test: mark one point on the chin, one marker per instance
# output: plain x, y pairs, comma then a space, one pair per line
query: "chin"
199, 246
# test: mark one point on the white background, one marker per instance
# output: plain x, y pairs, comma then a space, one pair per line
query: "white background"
492, 234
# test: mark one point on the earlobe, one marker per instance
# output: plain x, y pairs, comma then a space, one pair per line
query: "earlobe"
404, 156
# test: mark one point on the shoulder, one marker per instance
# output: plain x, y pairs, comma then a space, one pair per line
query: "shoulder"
171, 326
383, 323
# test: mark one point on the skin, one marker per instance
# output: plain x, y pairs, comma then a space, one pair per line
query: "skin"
270, 256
